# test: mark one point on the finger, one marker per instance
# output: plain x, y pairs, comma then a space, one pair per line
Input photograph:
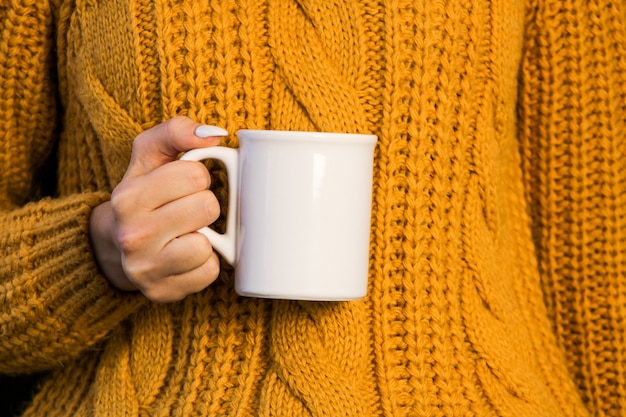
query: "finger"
183, 254
185, 215
170, 182
176, 287
163, 143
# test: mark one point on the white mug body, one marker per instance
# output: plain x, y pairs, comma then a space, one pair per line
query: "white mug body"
304, 214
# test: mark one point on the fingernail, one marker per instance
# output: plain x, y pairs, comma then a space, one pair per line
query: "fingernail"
205, 131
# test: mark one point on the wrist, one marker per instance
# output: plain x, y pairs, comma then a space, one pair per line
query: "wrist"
106, 252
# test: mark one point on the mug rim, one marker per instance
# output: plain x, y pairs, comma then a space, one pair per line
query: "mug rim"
291, 135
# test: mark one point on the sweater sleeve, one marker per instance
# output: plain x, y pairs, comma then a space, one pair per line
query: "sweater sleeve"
54, 304
573, 142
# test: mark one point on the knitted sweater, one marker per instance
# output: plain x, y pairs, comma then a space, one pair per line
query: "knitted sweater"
497, 282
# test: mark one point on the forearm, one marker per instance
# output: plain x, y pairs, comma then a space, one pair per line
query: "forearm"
55, 302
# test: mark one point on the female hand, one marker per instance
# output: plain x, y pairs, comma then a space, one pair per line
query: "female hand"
145, 238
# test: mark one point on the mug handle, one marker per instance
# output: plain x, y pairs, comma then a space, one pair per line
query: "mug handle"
225, 243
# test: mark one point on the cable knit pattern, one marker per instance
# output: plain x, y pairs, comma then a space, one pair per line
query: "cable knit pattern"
497, 274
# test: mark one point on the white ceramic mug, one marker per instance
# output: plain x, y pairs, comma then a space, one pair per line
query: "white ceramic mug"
298, 224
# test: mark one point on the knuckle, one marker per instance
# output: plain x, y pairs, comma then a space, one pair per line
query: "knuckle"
142, 142
203, 207
213, 267
199, 176
123, 198
130, 239
137, 270
173, 125
153, 289
140, 139
211, 207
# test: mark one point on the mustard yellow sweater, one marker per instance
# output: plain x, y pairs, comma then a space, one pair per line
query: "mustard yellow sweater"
498, 244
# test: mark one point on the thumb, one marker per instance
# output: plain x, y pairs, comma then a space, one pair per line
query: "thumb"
164, 142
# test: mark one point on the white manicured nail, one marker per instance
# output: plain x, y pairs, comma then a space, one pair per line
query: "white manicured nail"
205, 131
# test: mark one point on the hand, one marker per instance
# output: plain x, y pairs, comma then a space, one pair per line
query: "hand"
145, 238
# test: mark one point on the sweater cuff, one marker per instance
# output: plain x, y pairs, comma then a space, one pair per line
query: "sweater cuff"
58, 303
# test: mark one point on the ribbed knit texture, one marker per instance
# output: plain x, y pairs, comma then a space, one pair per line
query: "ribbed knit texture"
497, 274
573, 134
